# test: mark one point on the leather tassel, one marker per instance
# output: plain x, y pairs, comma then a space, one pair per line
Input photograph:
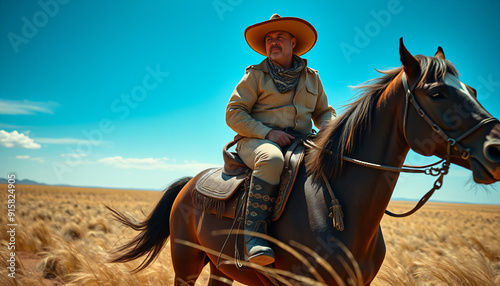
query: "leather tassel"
337, 215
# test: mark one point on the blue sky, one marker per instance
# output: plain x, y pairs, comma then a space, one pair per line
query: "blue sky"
132, 94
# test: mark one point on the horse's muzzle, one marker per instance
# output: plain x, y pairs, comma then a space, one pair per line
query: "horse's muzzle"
491, 151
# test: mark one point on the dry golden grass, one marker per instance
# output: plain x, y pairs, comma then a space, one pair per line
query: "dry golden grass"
64, 234
442, 244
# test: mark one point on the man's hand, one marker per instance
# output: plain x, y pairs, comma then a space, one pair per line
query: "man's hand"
279, 137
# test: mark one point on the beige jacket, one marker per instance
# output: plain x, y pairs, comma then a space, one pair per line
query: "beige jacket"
256, 106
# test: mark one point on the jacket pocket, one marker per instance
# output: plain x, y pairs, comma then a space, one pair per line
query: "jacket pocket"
312, 87
311, 96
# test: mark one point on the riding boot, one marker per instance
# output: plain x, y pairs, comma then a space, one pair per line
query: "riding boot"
260, 205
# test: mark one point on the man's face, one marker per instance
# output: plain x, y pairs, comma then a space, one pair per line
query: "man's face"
279, 47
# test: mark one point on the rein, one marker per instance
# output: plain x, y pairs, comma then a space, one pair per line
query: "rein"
427, 169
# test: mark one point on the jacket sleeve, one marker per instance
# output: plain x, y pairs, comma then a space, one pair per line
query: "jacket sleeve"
323, 112
240, 106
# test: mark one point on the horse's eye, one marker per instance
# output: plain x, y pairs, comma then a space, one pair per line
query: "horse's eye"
436, 95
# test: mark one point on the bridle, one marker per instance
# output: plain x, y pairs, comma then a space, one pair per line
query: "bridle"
452, 142
427, 169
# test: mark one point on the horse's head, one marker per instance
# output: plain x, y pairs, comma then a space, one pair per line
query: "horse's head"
444, 118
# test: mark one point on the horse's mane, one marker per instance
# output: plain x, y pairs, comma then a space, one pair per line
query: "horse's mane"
343, 135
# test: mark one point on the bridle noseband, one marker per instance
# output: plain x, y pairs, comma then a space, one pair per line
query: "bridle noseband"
427, 169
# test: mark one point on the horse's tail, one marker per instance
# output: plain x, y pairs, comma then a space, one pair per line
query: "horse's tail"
154, 230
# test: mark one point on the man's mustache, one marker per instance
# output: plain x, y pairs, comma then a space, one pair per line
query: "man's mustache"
276, 46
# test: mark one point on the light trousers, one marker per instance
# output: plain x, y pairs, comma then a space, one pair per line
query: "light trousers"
264, 157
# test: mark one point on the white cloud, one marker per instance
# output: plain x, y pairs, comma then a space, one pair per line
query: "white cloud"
22, 140
74, 155
153, 164
26, 107
26, 157
65, 141
15, 139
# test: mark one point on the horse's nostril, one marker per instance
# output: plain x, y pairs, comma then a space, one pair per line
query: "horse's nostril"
491, 150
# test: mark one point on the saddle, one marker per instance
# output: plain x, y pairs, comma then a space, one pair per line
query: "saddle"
220, 190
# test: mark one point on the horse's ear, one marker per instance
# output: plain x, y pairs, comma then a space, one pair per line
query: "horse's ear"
410, 63
440, 53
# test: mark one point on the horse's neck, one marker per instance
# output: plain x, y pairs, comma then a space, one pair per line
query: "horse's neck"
369, 190
385, 143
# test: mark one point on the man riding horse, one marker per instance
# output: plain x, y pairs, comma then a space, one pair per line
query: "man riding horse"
276, 101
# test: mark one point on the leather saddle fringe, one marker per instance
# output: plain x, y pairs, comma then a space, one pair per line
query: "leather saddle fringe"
208, 205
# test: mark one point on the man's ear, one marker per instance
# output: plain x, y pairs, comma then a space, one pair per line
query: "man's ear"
294, 42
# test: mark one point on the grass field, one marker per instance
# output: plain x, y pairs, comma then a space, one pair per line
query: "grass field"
63, 236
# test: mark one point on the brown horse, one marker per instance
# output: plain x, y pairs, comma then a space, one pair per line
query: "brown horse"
421, 105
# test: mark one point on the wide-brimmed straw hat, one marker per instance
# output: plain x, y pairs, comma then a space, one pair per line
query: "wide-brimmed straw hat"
302, 30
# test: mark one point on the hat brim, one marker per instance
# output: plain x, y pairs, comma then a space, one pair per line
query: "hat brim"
302, 30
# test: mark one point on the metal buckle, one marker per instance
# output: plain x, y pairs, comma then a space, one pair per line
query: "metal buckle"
436, 128
466, 154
